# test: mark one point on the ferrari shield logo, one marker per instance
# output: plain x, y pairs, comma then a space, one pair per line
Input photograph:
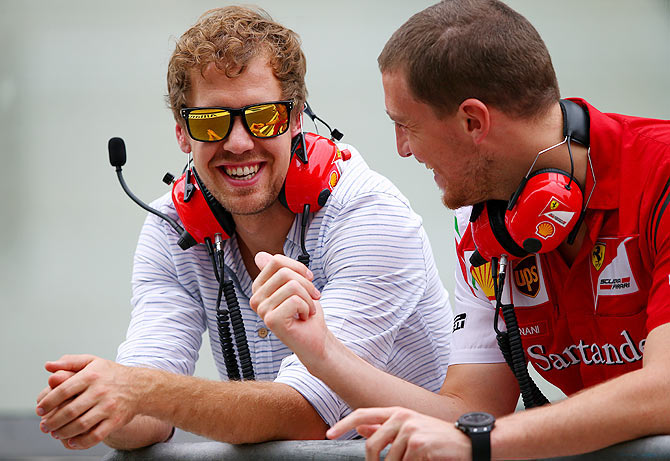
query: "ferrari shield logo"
598, 255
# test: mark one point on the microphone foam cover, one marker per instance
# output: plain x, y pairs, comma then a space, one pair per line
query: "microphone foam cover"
117, 152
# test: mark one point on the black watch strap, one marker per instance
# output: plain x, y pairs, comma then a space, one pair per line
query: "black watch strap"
478, 426
481, 445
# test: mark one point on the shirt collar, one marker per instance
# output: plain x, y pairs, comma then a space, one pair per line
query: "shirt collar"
605, 140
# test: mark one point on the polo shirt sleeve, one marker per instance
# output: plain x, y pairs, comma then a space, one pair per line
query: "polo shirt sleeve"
167, 322
473, 337
658, 307
375, 274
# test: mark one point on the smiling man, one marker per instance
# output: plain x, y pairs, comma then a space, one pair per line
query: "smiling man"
472, 90
236, 89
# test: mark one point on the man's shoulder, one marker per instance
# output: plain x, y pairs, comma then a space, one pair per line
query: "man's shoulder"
359, 182
165, 205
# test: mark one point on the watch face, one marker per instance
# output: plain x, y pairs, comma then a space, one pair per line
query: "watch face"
476, 419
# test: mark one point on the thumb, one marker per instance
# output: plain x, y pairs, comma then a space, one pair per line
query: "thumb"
261, 259
69, 363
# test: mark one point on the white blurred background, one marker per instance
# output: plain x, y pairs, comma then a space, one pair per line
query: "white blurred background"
75, 73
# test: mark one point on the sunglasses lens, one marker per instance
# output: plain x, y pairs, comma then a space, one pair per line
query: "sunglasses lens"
267, 120
208, 124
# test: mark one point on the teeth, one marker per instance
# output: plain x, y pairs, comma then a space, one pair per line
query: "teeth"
245, 173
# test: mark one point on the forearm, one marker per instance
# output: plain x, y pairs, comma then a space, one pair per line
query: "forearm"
631, 406
234, 412
360, 384
140, 432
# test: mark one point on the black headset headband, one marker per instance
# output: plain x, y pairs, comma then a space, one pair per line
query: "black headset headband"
575, 122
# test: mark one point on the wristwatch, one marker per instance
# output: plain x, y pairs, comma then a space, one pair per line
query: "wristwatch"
478, 426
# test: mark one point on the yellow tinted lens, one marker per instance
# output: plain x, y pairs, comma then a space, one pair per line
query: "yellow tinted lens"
266, 120
209, 124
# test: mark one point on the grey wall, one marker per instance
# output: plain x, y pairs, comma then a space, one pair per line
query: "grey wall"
75, 73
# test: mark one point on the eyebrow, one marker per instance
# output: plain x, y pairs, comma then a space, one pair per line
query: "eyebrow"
393, 117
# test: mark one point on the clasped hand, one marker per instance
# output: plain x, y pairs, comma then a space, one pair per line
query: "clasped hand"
87, 399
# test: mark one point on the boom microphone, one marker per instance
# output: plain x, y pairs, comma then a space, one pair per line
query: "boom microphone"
117, 157
117, 152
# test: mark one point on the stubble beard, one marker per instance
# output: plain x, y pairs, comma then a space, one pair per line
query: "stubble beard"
246, 204
481, 188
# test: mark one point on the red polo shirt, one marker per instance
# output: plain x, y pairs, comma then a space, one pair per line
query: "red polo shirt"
588, 322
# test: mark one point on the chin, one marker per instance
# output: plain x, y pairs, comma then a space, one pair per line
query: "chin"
451, 202
248, 205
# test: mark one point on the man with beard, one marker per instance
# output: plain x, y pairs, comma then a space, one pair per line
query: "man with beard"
471, 88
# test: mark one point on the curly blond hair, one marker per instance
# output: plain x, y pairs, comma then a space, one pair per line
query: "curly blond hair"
230, 37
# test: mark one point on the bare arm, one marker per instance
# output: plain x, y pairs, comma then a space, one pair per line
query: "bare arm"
630, 406
481, 387
289, 304
286, 300
99, 402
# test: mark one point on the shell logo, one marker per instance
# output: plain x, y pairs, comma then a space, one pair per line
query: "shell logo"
334, 177
482, 275
545, 230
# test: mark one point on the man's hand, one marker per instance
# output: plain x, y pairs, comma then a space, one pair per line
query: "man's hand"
287, 301
54, 381
412, 435
87, 399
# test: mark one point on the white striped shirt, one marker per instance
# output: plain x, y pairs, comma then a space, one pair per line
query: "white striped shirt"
371, 260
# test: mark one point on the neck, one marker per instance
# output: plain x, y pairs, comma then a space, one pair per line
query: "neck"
265, 231
528, 138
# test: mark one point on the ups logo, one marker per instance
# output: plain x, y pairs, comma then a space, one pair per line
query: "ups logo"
526, 277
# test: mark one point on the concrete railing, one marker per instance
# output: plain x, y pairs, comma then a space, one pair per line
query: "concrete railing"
649, 448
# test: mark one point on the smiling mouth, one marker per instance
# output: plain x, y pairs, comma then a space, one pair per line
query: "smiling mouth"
242, 173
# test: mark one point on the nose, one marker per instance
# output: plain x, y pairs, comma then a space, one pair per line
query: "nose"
239, 140
402, 143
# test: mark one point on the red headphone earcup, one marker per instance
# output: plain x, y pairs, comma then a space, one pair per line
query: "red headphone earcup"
489, 231
545, 212
311, 183
195, 214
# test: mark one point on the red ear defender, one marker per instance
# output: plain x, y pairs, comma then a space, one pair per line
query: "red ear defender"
546, 211
200, 218
540, 219
306, 184
487, 224
312, 182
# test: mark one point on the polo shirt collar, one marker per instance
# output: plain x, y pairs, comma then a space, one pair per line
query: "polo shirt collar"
605, 140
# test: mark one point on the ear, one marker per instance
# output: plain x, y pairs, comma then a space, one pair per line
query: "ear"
475, 119
296, 124
183, 139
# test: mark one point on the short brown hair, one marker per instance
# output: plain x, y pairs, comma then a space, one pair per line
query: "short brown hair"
230, 37
460, 49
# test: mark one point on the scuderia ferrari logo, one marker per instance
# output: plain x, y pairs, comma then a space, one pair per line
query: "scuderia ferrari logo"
598, 255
